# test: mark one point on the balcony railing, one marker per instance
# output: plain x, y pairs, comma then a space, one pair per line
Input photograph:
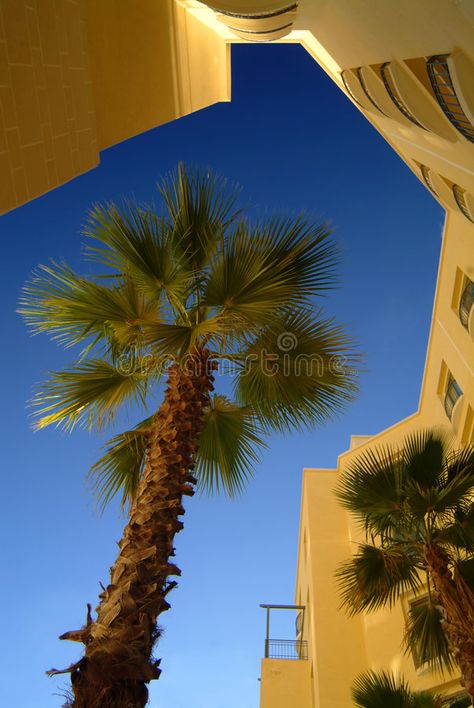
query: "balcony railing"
365, 89
442, 85
286, 649
395, 96
426, 174
459, 195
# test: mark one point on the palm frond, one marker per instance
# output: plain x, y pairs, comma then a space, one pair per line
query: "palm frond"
88, 394
375, 577
372, 488
424, 635
379, 689
135, 241
297, 372
423, 455
200, 207
282, 262
120, 468
168, 339
459, 461
72, 308
229, 447
458, 532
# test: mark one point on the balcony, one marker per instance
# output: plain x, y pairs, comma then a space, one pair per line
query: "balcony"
273, 19
463, 201
451, 195
286, 670
286, 648
447, 79
428, 178
414, 102
393, 92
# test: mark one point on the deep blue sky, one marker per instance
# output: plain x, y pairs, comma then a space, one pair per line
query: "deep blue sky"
294, 142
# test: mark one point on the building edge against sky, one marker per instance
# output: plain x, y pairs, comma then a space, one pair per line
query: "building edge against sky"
67, 91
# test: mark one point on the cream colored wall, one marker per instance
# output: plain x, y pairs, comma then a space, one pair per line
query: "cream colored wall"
154, 64
77, 76
47, 123
336, 645
285, 683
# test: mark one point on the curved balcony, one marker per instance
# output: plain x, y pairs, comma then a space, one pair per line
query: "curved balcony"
447, 82
466, 307
453, 196
273, 19
413, 100
374, 90
354, 89
463, 201
427, 176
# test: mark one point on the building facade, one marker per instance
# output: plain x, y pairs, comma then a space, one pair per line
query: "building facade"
77, 76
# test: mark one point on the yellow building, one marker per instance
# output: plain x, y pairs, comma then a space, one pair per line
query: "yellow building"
69, 89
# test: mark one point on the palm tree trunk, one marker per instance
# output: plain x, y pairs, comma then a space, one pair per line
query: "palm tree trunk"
457, 602
118, 662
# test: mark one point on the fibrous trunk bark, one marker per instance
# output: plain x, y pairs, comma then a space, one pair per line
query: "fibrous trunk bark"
118, 663
457, 602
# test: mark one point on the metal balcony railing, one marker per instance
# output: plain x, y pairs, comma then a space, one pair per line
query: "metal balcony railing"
365, 89
459, 195
442, 85
286, 649
426, 174
395, 96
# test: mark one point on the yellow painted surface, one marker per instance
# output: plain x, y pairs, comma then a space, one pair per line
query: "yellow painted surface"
77, 76
47, 124
285, 683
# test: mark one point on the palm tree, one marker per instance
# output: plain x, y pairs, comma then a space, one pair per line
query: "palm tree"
178, 293
416, 506
374, 689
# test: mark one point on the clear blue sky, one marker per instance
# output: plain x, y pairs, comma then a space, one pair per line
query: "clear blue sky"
293, 140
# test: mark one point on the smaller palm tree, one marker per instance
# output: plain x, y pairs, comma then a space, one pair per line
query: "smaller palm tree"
416, 506
374, 689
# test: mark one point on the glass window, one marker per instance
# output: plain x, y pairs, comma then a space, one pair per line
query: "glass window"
453, 393
466, 302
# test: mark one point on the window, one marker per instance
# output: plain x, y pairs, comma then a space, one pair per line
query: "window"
452, 395
466, 302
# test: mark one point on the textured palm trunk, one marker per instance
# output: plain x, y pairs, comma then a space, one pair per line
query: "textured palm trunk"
118, 662
457, 602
